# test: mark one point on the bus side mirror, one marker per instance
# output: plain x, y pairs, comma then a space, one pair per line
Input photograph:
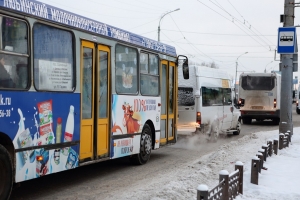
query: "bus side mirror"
185, 70
185, 66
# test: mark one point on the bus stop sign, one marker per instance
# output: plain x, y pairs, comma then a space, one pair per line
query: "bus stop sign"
287, 40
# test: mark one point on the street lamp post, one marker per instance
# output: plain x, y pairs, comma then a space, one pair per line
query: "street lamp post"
236, 73
160, 20
266, 66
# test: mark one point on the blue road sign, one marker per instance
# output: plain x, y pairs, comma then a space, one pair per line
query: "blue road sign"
295, 81
286, 40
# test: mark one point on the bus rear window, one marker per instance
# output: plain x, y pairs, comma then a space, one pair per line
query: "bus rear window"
258, 82
186, 96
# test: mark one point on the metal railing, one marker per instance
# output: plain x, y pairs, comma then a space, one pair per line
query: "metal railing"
284, 140
230, 185
257, 163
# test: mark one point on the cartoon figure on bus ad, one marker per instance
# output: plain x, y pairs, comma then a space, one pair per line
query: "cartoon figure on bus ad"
130, 121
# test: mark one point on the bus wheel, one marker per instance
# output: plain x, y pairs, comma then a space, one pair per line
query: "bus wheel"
297, 110
276, 121
145, 147
238, 128
6, 173
247, 120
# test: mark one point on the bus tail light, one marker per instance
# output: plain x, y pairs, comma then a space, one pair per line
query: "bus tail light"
198, 118
241, 102
275, 103
39, 158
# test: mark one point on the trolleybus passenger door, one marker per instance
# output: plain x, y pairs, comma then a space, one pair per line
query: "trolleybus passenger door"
95, 65
102, 91
87, 63
168, 102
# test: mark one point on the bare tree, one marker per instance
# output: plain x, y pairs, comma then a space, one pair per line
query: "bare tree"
211, 65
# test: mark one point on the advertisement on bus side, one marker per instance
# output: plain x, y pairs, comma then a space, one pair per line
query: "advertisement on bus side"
129, 114
44, 120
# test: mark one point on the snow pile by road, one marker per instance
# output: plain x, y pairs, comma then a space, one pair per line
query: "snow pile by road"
181, 183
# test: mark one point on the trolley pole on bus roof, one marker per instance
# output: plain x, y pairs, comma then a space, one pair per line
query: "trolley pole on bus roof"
286, 120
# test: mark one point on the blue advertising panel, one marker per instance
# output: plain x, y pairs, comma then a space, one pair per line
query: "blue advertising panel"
286, 40
39, 123
63, 17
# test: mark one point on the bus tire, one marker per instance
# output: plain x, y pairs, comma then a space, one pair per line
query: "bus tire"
276, 121
247, 120
145, 147
297, 110
6, 173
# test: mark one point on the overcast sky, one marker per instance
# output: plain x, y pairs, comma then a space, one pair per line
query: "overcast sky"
206, 30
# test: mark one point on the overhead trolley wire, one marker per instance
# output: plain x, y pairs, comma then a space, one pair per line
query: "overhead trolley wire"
192, 43
248, 22
234, 18
253, 29
226, 34
230, 20
177, 45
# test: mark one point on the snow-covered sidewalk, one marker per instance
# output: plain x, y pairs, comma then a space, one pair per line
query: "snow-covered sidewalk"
280, 181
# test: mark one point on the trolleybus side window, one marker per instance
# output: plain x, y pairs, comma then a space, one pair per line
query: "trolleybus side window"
87, 94
103, 62
14, 68
171, 91
53, 58
126, 70
149, 74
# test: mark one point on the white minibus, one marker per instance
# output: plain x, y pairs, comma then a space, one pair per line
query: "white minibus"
205, 103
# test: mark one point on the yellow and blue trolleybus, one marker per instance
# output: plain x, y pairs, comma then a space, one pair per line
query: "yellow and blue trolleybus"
74, 91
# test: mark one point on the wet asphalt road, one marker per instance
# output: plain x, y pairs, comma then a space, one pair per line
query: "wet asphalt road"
100, 180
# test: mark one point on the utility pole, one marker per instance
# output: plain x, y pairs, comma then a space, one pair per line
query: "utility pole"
286, 120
